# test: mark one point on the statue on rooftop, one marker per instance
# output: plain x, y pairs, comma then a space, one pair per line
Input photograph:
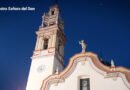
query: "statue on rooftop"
83, 45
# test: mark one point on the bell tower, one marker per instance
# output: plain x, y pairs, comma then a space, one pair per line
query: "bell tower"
48, 56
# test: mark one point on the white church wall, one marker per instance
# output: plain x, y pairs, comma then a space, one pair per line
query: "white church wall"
97, 79
36, 76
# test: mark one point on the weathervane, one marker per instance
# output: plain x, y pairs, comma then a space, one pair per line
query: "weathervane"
83, 45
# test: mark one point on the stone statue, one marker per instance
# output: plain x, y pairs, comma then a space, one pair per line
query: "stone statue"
83, 45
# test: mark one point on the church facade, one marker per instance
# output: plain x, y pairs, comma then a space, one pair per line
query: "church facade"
84, 72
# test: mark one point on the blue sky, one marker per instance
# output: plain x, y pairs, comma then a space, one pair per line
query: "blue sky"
103, 24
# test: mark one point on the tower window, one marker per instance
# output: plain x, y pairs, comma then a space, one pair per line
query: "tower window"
84, 84
45, 46
52, 12
53, 23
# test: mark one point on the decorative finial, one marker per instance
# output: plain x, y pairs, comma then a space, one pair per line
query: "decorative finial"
42, 25
112, 63
83, 45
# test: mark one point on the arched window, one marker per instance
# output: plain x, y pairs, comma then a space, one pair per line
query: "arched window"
85, 84
52, 12
45, 45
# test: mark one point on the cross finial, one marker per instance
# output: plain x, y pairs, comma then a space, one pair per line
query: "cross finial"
83, 45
